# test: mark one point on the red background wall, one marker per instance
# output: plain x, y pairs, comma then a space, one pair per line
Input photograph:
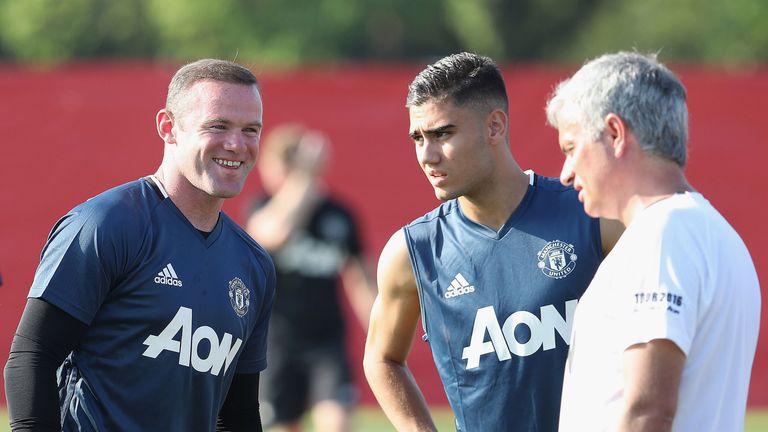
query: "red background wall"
69, 133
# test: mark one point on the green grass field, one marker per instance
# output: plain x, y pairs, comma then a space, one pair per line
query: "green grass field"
370, 419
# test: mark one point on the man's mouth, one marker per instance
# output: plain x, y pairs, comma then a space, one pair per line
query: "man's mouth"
435, 174
228, 163
436, 178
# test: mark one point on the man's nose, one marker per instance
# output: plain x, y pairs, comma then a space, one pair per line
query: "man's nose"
428, 153
566, 174
235, 140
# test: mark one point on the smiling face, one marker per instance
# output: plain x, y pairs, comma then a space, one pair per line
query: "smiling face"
451, 147
214, 139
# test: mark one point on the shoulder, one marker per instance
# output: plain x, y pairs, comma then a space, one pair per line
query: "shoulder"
549, 203
551, 187
108, 232
548, 194
423, 230
690, 219
551, 200
550, 184
257, 251
442, 211
682, 226
679, 215
134, 196
396, 245
122, 208
394, 268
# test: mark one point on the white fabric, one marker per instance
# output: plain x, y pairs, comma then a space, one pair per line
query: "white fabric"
679, 272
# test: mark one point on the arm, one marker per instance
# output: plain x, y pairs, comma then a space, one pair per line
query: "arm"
240, 411
610, 231
359, 288
393, 323
46, 335
290, 207
652, 373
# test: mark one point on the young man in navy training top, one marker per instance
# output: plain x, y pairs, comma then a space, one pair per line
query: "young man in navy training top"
150, 306
495, 272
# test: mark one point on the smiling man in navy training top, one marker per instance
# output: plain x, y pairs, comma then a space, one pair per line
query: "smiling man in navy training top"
153, 304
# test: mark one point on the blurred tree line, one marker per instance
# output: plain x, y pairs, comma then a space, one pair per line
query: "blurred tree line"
290, 32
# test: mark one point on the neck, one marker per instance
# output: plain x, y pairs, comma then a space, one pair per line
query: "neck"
496, 200
655, 183
201, 209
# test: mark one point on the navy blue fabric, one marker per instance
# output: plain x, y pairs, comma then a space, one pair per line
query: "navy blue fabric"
171, 315
516, 290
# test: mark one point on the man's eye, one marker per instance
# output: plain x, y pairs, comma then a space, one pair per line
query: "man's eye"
442, 134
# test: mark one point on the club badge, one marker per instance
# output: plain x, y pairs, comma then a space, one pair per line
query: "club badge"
557, 259
239, 296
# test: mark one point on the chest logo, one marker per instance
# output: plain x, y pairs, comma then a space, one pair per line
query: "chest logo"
239, 297
168, 276
459, 286
557, 259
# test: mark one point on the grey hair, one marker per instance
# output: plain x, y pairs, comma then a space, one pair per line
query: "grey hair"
205, 69
647, 96
464, 78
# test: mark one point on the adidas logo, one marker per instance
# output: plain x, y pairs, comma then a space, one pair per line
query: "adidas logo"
168, 276
459, 286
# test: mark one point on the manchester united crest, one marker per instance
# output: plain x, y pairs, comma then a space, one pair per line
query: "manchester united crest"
239, 296
557, 259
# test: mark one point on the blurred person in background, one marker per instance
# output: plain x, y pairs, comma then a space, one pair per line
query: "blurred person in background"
314, 240
495, 272
665, 336
153, 304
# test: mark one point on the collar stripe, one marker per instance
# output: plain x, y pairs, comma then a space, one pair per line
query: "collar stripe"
157, 186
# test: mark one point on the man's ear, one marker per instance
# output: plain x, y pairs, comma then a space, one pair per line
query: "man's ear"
165, 123
618, 133
497, 124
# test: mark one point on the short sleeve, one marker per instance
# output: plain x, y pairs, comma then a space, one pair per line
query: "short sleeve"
254, 356
78, 264
661, 295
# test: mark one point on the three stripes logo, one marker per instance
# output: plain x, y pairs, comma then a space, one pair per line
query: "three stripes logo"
168, 276
459, 286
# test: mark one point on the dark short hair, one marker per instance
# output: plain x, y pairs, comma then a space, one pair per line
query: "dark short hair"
206, 69
465, 78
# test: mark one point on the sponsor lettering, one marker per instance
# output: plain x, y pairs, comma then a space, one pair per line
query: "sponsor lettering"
503, 341
220, 355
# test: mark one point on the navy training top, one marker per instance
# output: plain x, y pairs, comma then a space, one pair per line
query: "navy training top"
497, 307
172, 315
